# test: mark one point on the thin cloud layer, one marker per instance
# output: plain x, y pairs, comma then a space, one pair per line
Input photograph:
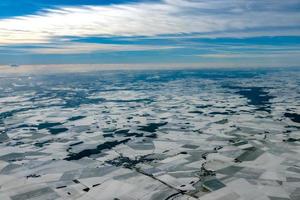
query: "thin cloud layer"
77, 48
169, 17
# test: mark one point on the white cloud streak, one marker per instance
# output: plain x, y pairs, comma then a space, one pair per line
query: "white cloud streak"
151, 19
79, 48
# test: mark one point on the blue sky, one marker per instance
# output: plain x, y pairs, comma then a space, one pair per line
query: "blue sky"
200, 33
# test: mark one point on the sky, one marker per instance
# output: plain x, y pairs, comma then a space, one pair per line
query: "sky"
204, 33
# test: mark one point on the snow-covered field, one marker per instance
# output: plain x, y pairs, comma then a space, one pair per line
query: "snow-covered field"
128, 135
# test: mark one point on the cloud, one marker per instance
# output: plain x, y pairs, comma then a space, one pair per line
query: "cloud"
245, 55
78, 48
167, 17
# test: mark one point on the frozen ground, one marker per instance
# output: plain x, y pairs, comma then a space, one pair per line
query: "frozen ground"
209, 135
